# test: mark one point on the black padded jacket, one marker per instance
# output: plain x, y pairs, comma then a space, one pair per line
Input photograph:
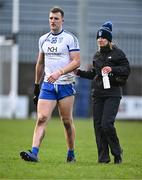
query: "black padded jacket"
117, 60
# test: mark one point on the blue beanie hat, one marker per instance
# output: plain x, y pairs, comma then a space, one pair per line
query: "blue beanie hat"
105, 31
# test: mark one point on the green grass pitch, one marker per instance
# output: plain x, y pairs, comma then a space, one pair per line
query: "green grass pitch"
16, 135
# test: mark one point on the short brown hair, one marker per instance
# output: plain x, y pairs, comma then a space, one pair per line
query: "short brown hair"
56, 10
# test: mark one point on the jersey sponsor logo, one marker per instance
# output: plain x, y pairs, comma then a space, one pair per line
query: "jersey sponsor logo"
53, 54
52, 49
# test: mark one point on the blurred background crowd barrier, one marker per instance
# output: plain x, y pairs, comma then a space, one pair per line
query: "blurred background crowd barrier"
22, 22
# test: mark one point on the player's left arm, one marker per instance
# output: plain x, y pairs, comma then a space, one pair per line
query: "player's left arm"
74, 62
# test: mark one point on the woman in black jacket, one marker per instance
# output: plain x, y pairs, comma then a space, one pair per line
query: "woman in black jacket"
111, 61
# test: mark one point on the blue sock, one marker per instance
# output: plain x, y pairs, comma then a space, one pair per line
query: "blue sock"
35, 150
71, 153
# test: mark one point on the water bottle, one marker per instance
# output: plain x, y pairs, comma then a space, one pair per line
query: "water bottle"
106, 82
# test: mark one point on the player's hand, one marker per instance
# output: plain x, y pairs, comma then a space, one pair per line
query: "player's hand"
36, 93
35, 100
54, 76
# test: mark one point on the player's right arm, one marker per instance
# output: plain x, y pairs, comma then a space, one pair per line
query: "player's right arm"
39, 69
38, 76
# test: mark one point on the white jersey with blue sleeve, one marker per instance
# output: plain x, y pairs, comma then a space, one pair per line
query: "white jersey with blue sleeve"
56, 49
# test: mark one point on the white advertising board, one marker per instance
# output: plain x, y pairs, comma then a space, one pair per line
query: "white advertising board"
130, 108
22, 107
